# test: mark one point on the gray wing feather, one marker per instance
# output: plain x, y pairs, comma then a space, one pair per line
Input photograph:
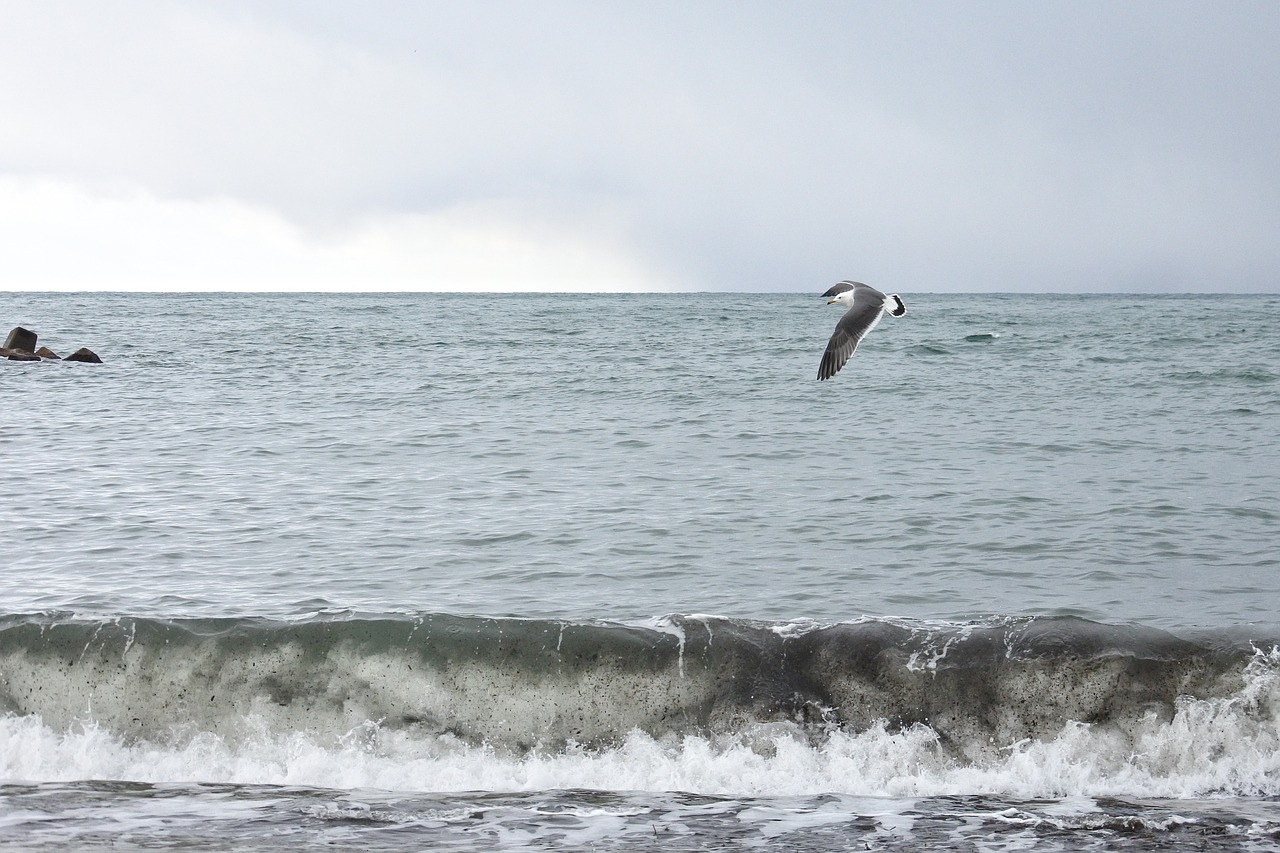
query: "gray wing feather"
841, 288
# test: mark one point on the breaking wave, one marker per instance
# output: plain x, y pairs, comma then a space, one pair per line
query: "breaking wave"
1035, 707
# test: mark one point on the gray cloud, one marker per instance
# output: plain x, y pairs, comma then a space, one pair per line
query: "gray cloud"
724, 146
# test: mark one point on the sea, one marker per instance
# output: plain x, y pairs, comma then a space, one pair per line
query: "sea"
475, 572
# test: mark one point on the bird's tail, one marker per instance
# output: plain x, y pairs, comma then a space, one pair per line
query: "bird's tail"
898, 308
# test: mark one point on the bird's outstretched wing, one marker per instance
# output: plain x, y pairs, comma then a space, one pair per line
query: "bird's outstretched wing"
861, 318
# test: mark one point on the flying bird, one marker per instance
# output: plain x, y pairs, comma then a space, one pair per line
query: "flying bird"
866, 306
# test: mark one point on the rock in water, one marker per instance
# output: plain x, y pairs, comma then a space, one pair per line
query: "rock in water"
84, 354
21, 346
20, 339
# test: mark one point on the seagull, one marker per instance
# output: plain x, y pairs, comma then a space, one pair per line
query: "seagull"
866, 307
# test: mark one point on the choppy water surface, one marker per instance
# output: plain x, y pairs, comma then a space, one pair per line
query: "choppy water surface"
397, 570
630, 456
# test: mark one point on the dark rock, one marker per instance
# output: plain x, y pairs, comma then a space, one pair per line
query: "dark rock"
21, 346
84, 354
23, 340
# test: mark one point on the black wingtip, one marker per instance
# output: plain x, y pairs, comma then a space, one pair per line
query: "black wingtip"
898, 308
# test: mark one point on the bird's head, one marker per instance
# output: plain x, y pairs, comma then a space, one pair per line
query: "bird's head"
845, 298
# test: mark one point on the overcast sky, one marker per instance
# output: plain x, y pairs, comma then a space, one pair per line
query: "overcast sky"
598, 145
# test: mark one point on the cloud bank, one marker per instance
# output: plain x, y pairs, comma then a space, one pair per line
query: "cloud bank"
585, 146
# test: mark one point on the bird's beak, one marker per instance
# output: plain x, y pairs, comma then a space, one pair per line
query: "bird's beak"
831, 301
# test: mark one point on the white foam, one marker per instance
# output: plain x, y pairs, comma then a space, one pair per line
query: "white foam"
878, 762
795, 628
667, 625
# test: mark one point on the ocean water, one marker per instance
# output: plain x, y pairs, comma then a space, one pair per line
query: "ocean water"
475, 572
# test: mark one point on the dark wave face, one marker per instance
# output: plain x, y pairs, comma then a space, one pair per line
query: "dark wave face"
973, 691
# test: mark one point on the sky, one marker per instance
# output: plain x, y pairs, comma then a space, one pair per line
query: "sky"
604, 145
